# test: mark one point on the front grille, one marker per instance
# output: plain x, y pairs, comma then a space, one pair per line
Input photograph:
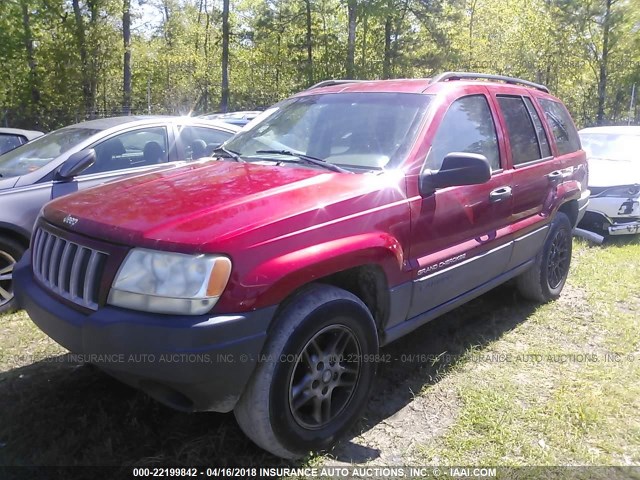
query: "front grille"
67, 268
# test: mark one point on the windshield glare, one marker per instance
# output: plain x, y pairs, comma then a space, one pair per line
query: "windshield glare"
359, 130
37, 153
611, 146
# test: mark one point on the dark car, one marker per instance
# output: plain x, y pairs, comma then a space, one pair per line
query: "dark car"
11, 138
354, 213
85, 155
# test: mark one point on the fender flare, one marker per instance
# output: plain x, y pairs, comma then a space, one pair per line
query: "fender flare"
269, 283
564, 193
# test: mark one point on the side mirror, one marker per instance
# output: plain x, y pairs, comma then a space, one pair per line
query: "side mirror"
458, 168
76, 164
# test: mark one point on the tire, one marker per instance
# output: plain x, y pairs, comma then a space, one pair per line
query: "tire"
10, 252
298, 364
545, 279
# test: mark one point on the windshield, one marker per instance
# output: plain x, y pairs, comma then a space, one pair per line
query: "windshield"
352, 130
33, 155
611, 146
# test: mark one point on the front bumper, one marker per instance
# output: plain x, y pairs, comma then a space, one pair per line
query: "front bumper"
629, 228
614, 215
191, 363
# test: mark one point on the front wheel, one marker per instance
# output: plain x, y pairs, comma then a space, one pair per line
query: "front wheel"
315, 375
545, 279
10, 252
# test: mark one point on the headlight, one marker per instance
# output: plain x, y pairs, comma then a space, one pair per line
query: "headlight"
166, 282
625, 191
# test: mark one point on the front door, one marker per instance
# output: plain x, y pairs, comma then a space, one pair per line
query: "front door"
457, 241
128, 153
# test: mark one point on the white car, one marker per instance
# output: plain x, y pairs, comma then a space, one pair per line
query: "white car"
614, 179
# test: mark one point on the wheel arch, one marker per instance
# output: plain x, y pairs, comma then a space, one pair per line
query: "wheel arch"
570, 209
368, 282
15, 233
364, 265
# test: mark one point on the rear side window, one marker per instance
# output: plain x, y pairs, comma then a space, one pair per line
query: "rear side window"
520, 128
561, 125
201, 141
467, 126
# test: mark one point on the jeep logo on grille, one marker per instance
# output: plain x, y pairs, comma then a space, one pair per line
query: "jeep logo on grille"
69, 220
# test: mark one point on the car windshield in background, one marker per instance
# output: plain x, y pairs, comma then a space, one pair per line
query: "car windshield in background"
33, 155
355, 130
611, 146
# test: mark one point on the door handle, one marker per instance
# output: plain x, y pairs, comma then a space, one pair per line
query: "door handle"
555, 176
500, 194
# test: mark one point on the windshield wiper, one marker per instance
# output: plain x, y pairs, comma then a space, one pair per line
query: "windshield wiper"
227, 154
307, 158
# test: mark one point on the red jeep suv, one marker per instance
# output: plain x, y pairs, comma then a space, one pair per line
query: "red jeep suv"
264, 281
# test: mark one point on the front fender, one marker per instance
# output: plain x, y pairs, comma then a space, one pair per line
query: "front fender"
269, 283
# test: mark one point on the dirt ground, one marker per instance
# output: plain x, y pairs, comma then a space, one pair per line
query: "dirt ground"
56, 412
414, 400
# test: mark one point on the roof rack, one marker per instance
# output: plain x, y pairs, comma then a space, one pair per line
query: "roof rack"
329, 83
444, 77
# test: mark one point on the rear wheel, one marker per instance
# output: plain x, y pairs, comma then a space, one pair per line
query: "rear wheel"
316, 374
10, 252
546, 278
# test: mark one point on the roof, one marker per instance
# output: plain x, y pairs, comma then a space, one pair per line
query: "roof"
239, 114
110, 122
29, 134
614, 129
420, 85
403, 85
104, 123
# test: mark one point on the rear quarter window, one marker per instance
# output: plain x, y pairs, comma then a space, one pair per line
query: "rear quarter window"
564, 131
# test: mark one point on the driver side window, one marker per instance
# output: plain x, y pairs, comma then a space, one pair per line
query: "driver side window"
467, 126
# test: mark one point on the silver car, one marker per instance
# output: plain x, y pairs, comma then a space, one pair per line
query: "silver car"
84, 155
614, 179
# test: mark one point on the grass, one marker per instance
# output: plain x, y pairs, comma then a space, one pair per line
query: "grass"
498, 382
570, 393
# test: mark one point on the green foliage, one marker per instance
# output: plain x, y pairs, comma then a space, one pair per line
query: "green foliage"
59, 67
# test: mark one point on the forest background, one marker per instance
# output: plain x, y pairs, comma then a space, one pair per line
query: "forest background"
64, 61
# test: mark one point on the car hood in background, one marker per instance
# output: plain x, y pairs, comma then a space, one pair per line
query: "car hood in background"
609, 173
6, 183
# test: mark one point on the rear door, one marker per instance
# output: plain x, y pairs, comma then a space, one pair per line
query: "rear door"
457, 242
530, 153
536, 172
196, 141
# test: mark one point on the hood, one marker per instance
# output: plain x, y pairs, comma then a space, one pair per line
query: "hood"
202, 206
609, 173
